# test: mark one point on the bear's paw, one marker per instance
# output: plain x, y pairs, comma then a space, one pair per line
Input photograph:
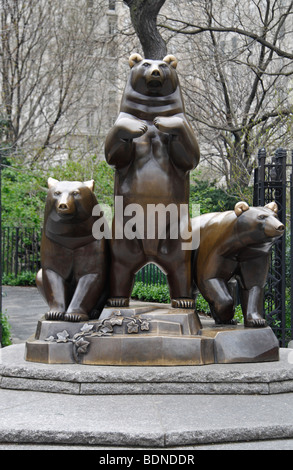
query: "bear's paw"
118, 302
76, 317
129, 129
254, 320
54, 315
182, 303
169, 125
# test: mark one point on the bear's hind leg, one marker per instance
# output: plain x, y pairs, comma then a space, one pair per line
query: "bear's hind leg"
127, 258
121, 281
217, 294
180, 282
252, 307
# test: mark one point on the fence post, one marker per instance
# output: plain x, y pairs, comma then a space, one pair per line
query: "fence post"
280, 245
16, 251
270, 185
261, 176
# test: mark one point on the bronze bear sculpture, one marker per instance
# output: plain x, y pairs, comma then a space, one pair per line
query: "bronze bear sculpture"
235, 243
152, 148
74, 275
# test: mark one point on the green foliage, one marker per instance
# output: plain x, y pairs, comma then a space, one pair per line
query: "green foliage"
104, 178
238, 314
202, 305
25, 278
214, 199
151, 293
23, 196
6, 341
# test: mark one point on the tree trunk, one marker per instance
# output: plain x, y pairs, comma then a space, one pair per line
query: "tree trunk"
143, 15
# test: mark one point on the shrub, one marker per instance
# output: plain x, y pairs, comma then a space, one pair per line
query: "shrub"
6, 341
214, 199
151, 293
25, 278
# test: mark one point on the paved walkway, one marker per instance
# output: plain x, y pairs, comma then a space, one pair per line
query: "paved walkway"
24, 306
42, 420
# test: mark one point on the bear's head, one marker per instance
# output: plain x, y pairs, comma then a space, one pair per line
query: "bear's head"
152, 88
70, 200
258, 223
153, 77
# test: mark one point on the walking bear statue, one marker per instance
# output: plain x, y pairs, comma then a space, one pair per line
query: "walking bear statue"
235, 243
74, 275
152, 148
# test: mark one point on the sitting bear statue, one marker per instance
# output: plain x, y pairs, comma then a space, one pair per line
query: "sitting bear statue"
73, 278
237, 244
153, 148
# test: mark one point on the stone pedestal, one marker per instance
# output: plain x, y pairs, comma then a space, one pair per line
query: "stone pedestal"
149, 335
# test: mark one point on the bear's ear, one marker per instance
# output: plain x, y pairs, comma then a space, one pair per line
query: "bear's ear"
273, 206
90, 184
171, 59
240, 207
134, 59
52, 182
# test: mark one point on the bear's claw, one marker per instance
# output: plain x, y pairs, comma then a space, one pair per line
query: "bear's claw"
118, 302
182, 303
256, 323
54, 315
76, 317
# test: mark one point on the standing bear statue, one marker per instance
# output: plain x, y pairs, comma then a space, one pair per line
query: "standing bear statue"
74, 275
235, 243
152, 148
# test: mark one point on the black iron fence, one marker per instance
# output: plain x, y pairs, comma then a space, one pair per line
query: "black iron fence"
20, 250
150, 275
273, 181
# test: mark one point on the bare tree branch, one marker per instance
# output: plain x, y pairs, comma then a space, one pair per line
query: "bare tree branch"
194, 29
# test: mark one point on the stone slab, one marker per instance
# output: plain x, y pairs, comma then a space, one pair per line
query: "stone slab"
266, 378
160, 421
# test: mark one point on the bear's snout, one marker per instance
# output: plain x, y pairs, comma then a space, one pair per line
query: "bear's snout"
64, 209
274, 228
156, 73
154, 76
64, 206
